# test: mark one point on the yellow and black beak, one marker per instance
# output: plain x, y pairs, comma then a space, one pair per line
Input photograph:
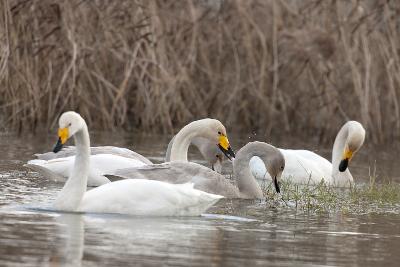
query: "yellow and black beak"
225, 147
62, 139
344, 163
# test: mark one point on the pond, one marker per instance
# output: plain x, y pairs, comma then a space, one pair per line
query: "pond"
232, 233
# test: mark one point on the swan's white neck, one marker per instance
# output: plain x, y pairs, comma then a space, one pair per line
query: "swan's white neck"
71, 195
180, 145
340, 178
246, 182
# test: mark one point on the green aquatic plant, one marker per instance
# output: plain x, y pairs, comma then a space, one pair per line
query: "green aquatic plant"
359, 198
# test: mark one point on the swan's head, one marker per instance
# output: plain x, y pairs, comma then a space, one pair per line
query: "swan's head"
354, 141
272, 158
275, 166
69, 123
215, 131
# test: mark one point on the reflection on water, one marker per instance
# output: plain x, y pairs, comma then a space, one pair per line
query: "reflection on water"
275, 236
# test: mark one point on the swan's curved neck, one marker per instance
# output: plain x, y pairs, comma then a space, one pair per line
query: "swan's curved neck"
71, 195
182, 140
246, 182
340, 178
168, 153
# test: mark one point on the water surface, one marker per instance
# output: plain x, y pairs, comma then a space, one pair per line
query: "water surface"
255, 233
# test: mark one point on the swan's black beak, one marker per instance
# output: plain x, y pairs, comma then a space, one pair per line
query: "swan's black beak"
344, 163
227, 152
225, 147
63, 134
58, 146
276, 183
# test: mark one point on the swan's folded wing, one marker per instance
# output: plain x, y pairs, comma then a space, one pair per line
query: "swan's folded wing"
119, 151
177, 172
65, 152
303, 166
166, 172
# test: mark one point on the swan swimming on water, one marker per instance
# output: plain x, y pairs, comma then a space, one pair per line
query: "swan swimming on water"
209, 181
304, 166
132, 196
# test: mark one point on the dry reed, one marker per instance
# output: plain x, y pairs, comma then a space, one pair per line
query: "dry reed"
268, 66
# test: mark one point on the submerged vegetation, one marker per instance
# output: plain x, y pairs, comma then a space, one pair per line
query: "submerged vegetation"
156, 65
360, 198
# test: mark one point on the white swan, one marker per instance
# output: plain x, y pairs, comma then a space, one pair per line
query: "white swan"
303, 166
135, 197
96, 150
210, 152
209, 181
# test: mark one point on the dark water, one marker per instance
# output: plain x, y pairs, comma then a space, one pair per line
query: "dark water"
255, 234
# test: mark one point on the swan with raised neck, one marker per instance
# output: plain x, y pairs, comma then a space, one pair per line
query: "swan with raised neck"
132, 196
72, 124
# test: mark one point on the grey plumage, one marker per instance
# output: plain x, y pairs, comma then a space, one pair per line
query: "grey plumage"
212, 182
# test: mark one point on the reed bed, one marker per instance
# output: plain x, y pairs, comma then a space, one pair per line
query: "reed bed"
302, 67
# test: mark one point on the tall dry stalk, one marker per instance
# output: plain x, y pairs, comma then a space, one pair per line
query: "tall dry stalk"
301, 67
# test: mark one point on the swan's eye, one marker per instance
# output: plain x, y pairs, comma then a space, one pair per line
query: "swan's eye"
219, 133
69, 124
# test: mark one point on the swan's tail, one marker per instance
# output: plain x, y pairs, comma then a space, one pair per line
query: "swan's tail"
201, 202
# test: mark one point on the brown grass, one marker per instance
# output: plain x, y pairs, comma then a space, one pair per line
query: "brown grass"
270, 66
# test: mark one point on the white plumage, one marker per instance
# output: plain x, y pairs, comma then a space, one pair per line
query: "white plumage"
135, 197
100, 164
304, 166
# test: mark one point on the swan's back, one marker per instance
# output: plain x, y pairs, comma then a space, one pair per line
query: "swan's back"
108, 162
59, 169
303, 166
147, 197
118, 151
178, 172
